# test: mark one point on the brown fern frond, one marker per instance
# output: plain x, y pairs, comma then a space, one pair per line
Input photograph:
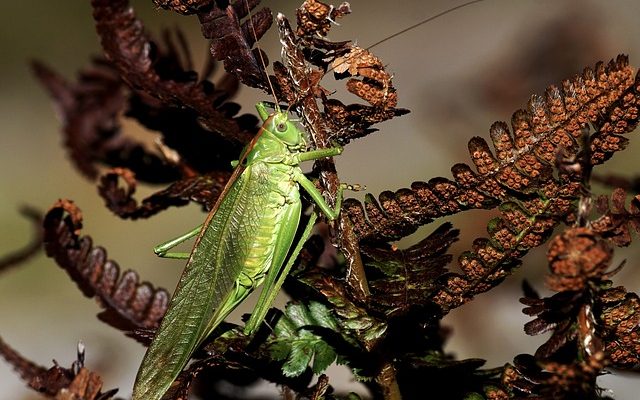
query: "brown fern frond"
605, 320
521, 227
128, 48
557, 313
27, 369
231, 41
201, 189
575, 257
619, 327
409, 275
184, 7
375, 86
524, 158
617, 223
58, 382
314, 18
89, 112
532, 379
588, 317
371, 82
579, 260
128, 303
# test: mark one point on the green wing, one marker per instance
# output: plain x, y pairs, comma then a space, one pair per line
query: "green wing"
219, 255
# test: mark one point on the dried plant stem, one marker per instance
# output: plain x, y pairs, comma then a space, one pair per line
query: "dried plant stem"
386, 380
313, 121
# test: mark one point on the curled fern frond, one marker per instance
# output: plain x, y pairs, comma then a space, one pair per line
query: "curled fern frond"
202, 189
128, 303
89, 111
315, 19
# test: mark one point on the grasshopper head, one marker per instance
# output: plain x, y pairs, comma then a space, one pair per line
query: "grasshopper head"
285, 130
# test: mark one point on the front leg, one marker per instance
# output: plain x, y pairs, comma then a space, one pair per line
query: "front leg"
162, 250
319, 153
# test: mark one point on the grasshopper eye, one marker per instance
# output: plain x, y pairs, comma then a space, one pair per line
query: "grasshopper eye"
281, 127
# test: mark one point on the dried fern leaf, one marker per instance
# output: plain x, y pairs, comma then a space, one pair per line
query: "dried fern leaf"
231, 40
524, 156
202, 189
128, 48
617, 222
128, 303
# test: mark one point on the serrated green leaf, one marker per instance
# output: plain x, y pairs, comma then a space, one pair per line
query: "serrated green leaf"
322, 316
279, 350
285, 327
297, 314
323, 357
298, 346
298, 359
474, 396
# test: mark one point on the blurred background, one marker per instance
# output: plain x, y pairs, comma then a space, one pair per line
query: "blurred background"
457, 74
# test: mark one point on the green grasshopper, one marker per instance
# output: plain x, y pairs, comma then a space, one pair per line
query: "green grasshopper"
243, 243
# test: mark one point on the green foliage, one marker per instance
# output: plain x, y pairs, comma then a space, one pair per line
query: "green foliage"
297, 345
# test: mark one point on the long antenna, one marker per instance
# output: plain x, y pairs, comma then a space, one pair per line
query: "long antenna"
262, 61
424, 21
414, 26
407, 29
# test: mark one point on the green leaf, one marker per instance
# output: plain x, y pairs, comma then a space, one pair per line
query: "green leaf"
298, 359
324, 356
322, 316
296, 345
